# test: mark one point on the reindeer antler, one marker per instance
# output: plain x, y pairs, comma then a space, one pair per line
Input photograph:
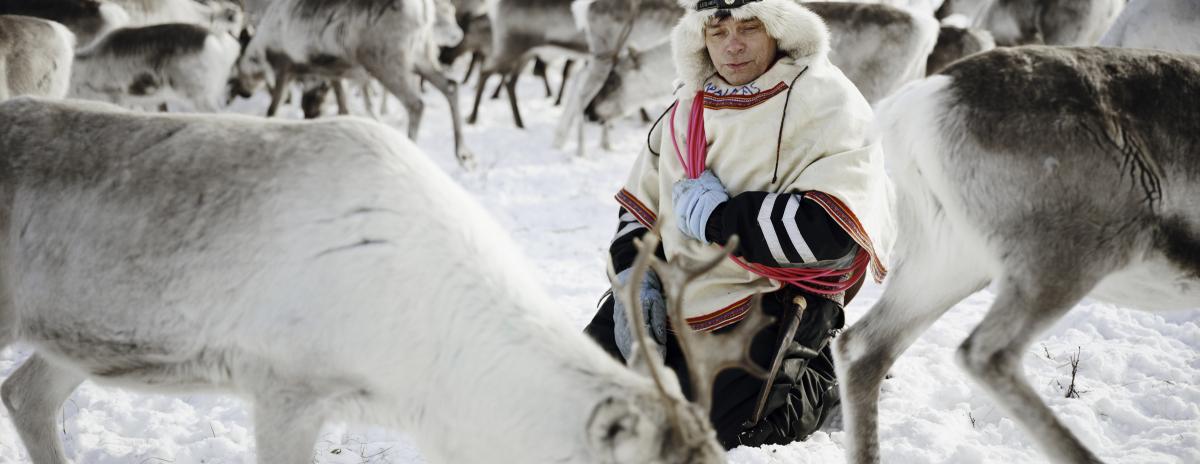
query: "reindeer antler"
707, 354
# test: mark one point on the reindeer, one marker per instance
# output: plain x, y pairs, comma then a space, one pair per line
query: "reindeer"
35, 57
232, 254
388, 40
1169, 25
877, 46
612, 28
1049, 173
1048, 22
153, 65
955, 43
87, 19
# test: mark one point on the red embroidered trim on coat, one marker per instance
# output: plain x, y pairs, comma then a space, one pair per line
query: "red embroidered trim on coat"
741, 102
639, 210
722, 317
849, 222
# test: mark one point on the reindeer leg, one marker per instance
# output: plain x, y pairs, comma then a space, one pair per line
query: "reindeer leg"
395, 73
483, 78
496, 92
864, 352
1025, 306
339, 92
449, 89
33, 394
539, 69
281, 85
562, 85
286, 425
475, 59
510, 84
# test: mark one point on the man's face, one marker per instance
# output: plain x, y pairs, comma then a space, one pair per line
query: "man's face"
740, 50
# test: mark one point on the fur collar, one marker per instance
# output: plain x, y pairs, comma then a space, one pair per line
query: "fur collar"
801, 35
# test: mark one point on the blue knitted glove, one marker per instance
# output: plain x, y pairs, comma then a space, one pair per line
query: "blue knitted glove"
695, 200
654, 310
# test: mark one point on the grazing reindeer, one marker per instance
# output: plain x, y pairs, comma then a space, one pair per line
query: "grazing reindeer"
87, 19
1170, 25
877, 47
35, 57
388, 40
613, 28
150, 66
1051, 174
955, 43
233, 254
1048, 22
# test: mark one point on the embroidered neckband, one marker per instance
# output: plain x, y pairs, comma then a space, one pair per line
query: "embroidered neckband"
722, 4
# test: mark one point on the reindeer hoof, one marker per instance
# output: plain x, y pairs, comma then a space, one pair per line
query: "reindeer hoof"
465, 159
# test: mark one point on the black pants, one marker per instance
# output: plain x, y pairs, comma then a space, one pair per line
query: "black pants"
805, 388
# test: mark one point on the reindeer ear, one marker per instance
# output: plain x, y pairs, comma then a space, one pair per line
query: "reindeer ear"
618, 433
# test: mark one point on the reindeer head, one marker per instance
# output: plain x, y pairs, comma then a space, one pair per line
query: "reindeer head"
252, 69
661, 426
638, 77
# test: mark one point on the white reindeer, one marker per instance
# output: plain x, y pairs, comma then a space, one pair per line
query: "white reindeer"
153, 65
236, 254
1059, 22
35, 57
388, 40
1171, 25
1051, 174
878, 47
87, 19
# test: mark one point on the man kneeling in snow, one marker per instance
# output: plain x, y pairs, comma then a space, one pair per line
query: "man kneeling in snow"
784, 164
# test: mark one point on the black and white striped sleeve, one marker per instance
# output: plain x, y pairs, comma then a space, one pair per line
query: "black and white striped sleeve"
779, 228
622, 250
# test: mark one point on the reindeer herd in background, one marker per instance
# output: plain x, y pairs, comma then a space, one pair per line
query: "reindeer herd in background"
230, 253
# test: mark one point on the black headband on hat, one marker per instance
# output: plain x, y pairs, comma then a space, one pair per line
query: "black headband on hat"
721, 4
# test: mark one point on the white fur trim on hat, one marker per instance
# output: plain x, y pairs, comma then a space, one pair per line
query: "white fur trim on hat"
800, 33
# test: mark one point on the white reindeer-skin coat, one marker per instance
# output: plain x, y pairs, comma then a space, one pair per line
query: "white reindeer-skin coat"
35, 57
328, 267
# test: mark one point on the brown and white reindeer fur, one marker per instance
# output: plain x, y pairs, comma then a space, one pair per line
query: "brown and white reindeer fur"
1170, 25
35, 57
391, 41
877, 47
152, 65
1050, 174
236, 254
1048, 22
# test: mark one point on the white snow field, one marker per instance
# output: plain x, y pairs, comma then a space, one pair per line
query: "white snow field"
1138, 378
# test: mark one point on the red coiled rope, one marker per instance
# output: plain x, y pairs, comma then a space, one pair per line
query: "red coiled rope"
818, 281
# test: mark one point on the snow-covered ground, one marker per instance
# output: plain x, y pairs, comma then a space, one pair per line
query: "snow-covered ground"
1138, 377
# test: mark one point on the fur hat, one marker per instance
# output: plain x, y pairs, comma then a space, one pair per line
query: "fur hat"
800, 33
